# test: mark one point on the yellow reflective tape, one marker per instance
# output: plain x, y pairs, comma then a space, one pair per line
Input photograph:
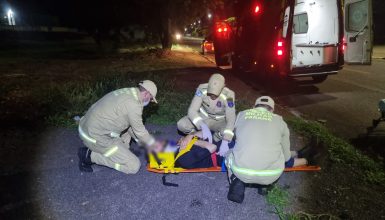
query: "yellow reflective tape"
228, 131
258, 114
204, 91
111, 151
117, 167
86, 137
251, 172
203, 111
196, 120
223, 96
134, 93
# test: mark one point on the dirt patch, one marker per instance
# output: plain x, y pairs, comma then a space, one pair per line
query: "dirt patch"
334, 191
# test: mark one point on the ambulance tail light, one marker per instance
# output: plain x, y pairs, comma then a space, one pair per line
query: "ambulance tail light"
280, 48
257, 9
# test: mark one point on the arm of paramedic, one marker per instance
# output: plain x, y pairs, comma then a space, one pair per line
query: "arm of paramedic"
205, 144
285, 141
193, 110
228, 133
136, 123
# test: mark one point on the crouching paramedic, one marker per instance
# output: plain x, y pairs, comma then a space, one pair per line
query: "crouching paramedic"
212, 108
261, 151
109, 125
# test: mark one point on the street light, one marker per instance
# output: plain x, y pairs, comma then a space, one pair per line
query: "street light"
11, 18
209, 15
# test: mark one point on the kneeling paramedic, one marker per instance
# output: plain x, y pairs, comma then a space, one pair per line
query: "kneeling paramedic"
108, 126
261, 151
212, 108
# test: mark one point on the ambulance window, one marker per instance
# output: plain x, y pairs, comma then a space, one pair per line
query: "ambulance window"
357, 15
300, 23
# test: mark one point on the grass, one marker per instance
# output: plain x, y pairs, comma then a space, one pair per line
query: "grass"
278, 199
341, 152
62, 102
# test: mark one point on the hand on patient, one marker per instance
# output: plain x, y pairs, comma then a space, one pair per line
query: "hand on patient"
224, 148
206, 133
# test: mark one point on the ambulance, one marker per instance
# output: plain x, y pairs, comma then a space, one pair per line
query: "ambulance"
294, 38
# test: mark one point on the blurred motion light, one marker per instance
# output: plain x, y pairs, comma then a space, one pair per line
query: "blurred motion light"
209, 15
178, 36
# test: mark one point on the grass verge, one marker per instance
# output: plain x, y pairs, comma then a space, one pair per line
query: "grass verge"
341, 152
278, 199
63, 102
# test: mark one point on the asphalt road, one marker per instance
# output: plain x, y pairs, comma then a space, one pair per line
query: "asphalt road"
44, 182
347, 102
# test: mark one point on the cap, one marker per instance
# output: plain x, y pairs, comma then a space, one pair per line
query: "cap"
150, 87
265, 100
216, 84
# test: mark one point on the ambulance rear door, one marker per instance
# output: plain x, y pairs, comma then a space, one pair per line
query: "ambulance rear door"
358, 31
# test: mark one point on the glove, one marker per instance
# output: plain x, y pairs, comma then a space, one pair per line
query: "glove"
206, 133
224, 148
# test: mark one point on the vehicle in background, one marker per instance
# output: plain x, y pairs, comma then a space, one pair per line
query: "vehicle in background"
292, 38
207, 46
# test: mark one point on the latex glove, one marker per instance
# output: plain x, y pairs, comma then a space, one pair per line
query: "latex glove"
224, 148
206, 133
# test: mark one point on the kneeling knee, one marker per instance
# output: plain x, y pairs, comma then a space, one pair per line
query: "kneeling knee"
131, 167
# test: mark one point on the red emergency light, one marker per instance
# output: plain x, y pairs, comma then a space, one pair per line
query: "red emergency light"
280, 48
257, 9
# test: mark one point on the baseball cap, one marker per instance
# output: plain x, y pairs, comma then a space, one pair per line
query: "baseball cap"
265, 100
216, 84
150, 87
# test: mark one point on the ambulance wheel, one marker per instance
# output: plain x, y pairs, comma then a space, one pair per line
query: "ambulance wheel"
319, 79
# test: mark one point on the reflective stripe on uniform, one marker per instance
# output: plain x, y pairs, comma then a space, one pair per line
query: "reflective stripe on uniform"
251, 172
111, 151
134, 93
223, 96
204, 91
196, 120
86, 137
228, 131
203, 111
117, 167
114, 134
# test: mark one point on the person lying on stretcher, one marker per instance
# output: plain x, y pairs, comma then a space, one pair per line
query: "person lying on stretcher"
201, 154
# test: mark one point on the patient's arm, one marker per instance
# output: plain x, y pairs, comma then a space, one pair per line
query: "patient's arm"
205, 144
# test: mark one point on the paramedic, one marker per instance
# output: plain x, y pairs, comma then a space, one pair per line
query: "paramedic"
109, 125
261, 151
212, 108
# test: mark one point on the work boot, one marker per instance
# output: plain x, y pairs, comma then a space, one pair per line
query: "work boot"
237, 190
85, 162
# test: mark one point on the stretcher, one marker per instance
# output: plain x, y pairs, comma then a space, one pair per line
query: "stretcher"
219, 169
164, 163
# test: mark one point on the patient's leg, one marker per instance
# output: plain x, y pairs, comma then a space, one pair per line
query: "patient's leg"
197, 157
